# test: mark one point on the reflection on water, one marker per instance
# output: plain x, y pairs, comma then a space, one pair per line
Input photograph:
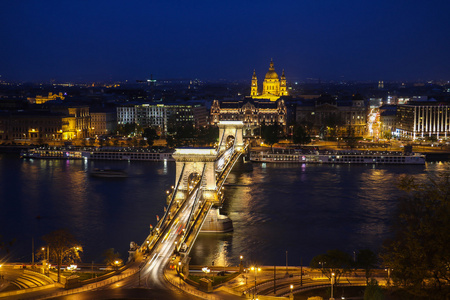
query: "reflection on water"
38, 196
305, 209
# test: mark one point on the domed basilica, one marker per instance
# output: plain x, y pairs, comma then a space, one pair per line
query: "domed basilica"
273, 87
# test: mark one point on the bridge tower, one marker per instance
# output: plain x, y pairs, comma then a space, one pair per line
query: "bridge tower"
198, 161
232, 129
201, 161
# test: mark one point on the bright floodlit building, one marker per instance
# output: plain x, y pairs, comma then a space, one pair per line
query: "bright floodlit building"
273, 87
423, 119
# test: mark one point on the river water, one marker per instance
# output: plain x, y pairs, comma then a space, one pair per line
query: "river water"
303, 209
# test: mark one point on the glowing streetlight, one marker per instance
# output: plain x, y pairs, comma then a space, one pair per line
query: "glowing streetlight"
255, 270
206, 270
116, 264
291, 287
241, 265
332, 284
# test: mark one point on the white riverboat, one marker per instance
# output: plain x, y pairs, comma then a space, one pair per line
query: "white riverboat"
337, 157
127, 155
97, 154
51, 153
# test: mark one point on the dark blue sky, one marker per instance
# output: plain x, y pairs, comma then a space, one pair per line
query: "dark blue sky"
329, 39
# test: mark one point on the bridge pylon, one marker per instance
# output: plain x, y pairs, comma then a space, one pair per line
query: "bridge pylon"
232, 129
192, 161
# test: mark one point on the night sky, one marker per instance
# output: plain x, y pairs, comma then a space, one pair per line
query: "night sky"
211, 40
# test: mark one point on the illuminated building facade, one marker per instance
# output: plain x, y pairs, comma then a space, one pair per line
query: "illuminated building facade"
42, 99
76, 121
31, 127
163, 115
388, 120
103, 123
326, 114
423, 119
273, 86
250, 111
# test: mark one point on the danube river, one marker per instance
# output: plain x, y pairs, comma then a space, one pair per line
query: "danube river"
303, 209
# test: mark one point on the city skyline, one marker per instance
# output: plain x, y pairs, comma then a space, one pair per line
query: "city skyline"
328, 40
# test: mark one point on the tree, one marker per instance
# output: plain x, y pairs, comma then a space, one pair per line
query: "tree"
142, 143
151, 135
332, 123
4, 246
208, 135
270, 134
366, 259
63, 247
301, 136
373, 291
112, 258
182, 135
334, 261
418, 254
126, 129
351, 139
170, 141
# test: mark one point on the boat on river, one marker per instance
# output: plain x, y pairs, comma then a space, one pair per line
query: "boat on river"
106, 153
337, 157
111, 173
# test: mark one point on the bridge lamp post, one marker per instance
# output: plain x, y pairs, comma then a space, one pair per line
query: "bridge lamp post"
291, 287
179, 271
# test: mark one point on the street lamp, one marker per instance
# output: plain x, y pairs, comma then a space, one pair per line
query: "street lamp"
332, 283
322, 263
47, 258
388, 275
255, 269
116, 264
206, 270
241, 265
291, 287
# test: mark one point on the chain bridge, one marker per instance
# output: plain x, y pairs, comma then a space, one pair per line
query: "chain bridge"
195, 199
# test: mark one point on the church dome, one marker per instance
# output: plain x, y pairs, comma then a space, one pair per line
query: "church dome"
271, 74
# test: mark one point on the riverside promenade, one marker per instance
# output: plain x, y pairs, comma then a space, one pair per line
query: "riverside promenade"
247, 284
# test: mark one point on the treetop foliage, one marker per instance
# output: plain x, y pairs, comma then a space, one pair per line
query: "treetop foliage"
419, 254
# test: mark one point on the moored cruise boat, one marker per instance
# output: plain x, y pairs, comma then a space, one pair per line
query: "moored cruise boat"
338, 157
115, 153
127, 155
51, 153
